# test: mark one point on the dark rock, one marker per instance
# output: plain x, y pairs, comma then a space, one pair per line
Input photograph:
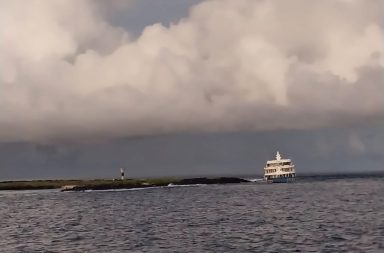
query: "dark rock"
127, 185
204, 180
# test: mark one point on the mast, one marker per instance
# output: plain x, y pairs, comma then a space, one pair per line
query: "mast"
278, 156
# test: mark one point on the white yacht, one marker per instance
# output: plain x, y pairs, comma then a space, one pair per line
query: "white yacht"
279, 170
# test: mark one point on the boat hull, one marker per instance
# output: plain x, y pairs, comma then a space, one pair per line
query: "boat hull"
281, 180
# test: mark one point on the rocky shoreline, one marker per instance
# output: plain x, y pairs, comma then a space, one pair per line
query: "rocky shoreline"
146, 184
106, 184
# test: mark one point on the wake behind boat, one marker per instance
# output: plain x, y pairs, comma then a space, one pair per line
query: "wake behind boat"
279, 170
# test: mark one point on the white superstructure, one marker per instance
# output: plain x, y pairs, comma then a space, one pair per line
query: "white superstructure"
279, 170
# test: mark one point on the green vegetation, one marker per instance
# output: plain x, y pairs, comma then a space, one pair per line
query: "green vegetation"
106, 184
86, 184
36, 184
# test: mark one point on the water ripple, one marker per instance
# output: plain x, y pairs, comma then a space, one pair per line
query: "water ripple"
329, 216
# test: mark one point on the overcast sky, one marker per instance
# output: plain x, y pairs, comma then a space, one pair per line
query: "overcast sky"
188, 87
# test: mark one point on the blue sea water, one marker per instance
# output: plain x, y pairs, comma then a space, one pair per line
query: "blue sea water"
332, 215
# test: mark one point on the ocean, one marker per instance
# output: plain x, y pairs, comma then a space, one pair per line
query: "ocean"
312, 215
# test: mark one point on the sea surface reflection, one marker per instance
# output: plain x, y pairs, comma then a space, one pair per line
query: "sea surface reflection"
308, 216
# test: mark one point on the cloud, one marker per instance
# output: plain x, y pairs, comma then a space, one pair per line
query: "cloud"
67, 73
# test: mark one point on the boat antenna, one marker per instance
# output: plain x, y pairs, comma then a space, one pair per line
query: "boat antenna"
278, 156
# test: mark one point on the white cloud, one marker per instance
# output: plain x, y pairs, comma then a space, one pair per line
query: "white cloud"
65, 72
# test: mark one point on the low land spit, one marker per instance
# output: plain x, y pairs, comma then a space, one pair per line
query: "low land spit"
109, 184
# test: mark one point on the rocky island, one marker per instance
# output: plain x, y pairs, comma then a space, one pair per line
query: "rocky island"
111, 184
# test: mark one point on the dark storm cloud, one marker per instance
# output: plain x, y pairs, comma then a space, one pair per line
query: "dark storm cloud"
313, 151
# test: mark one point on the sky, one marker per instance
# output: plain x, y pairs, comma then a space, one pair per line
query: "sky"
185, 88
